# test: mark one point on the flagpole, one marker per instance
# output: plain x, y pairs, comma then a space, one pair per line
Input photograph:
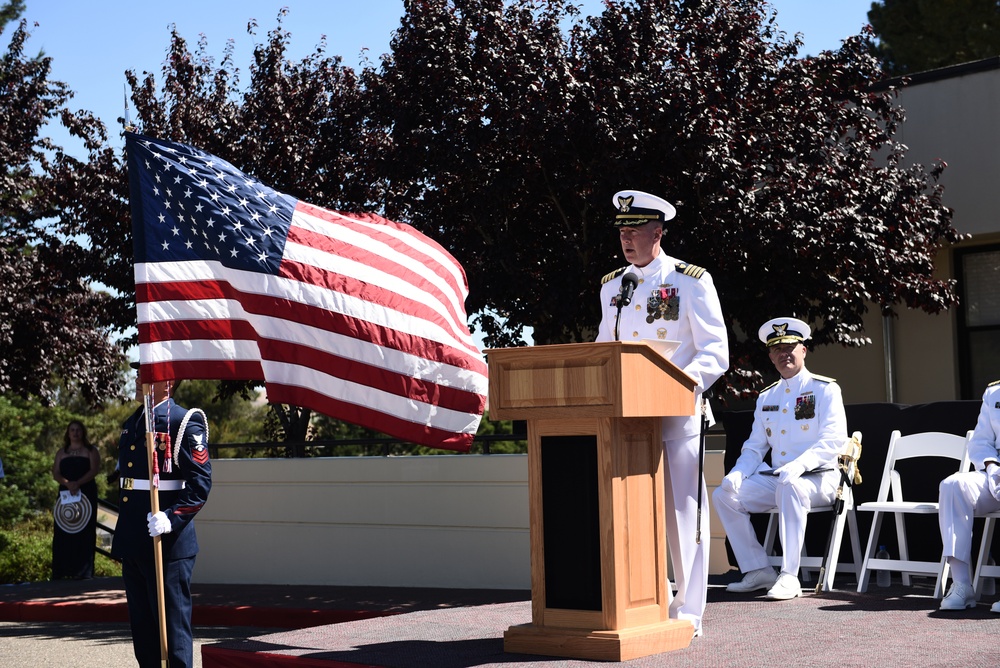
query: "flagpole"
154, 503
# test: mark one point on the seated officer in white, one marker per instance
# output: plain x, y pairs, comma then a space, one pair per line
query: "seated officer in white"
964, 495
801, 420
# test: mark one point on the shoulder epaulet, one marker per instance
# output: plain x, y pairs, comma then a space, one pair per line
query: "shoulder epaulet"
692, 270
995, 382
824, 379
614, 274
770, 386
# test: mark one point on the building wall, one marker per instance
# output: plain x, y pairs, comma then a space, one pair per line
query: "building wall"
951, 116
451, 521
942, 109
924, 353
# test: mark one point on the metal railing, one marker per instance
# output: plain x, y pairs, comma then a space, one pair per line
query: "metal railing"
103, 504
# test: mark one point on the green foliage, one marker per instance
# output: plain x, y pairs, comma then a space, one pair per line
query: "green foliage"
920, 35
26, 552
29, 436
230, 419
499, 427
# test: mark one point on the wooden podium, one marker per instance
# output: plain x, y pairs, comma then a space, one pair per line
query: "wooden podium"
599, 587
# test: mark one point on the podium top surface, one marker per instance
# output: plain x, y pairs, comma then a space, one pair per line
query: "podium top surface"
607, 379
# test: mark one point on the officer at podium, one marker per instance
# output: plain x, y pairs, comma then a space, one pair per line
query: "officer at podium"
664, 298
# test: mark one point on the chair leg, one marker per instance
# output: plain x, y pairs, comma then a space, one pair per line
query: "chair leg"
852, 528
870, 551
942, 579
984, 555
904, 551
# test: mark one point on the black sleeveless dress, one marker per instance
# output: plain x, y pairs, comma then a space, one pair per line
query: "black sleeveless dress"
75, 525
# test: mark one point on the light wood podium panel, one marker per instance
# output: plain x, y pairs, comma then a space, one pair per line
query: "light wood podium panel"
599, 587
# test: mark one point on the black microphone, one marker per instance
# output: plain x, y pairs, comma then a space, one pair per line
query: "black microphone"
629, 282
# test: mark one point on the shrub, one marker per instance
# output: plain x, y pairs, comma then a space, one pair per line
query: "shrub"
26, 552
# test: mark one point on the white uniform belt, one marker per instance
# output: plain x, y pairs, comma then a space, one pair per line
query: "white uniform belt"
164, 486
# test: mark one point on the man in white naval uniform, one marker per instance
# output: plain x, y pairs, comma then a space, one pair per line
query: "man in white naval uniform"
672, 301
801, 420
961, 496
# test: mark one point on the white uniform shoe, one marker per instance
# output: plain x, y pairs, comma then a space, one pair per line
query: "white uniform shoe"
762, 578
785, 587
960, 597
996, 607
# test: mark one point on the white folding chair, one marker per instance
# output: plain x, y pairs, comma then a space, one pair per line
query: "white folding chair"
843, 512
891, 500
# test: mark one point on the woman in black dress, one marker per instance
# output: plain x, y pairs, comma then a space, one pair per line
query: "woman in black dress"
77, 464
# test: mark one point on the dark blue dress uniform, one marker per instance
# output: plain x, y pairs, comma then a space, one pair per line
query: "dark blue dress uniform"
183, 492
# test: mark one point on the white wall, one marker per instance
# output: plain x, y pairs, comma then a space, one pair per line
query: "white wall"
451, 521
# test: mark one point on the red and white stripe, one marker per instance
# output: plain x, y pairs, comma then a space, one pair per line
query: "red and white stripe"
364, 322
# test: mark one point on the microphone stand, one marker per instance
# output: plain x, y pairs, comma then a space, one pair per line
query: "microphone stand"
624, 299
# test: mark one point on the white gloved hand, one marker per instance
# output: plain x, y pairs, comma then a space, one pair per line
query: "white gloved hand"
993, 479
790, 472
732, 482
158, 523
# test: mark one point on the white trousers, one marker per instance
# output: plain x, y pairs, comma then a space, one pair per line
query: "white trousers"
760, 493
961, 496
688, 557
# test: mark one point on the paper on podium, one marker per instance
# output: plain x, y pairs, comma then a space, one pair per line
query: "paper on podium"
665, 348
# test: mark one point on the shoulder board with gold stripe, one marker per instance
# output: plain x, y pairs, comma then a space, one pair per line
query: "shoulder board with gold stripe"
614, 274
995, 382
824, 379
692, 270
770, 386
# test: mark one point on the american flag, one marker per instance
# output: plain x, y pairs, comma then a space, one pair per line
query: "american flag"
354, 316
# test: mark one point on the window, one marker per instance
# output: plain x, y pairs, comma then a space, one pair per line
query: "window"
978, 271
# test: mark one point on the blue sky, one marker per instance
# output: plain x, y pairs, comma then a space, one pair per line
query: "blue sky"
93, 42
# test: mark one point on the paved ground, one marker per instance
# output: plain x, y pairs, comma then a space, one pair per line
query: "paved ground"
82, 624
87, 644
414, 628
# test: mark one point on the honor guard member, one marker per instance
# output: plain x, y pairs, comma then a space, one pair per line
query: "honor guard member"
185, 479
801, 420
964, 495
675, 301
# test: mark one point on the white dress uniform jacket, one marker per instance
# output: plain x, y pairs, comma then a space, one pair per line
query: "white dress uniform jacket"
678, 302
801, 418
674, 301
983, 445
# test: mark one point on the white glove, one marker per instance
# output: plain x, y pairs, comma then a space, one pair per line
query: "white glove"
158, 523
993, 479
790, 472
732, 482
